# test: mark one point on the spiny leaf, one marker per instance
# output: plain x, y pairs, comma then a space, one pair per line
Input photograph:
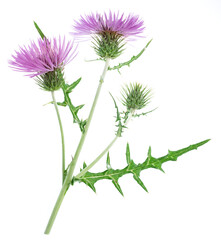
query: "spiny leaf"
127, 63
108, 165
114, 174
39, 30
128, 154
173, 155
67, 89
140, 182
84, 165
116, 184
155, 163
149, 153
91, 186
82, 125
70, 87
63, 104
144, 113
118, 119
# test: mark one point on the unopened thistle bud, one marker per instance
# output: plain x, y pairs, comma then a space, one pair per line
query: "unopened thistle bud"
108, 44
108, 32
135, 96
51, 81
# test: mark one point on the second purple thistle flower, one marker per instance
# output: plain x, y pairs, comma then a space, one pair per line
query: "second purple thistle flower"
44, 60
108, 31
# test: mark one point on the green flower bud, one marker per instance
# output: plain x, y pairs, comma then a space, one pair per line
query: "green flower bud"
135, 96
108, 44
51, 81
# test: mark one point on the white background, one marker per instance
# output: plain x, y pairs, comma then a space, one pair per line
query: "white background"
181, 65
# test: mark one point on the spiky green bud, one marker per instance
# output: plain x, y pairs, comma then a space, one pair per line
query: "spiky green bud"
108, 44
135, 96
51, 81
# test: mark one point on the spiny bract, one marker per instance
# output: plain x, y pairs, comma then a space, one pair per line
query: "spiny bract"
135, 96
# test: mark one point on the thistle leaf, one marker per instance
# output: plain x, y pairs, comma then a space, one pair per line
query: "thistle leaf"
116, 184
150, 162
118, 119
39, 30
91, 186
70, 87
108, 165
67, 89
127, 63
128, 154
63, 104
84, 165
144, 113
138, 180
149, 153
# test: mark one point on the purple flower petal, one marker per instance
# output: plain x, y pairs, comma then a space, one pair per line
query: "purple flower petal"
129, 27
43, 56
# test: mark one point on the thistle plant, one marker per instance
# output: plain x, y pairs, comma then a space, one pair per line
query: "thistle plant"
45, 61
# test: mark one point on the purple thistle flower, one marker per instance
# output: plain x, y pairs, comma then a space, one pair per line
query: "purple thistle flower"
130, 26
43, 57
108, 31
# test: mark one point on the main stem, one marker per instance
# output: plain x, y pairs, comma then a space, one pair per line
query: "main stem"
62, 136
77, 153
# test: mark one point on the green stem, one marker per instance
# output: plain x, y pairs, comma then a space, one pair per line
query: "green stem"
62, 136
104, 151
77, 153
97, 159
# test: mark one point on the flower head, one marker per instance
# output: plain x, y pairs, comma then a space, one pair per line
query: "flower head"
45, 60
108, 31
135, 96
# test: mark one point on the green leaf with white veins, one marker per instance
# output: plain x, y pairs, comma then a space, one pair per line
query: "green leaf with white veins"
114, 175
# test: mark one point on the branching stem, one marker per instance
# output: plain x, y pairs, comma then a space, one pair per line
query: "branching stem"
103, 152
77, 153
97, 159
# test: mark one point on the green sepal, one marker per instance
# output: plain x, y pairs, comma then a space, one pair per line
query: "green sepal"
150, 162
39, 30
